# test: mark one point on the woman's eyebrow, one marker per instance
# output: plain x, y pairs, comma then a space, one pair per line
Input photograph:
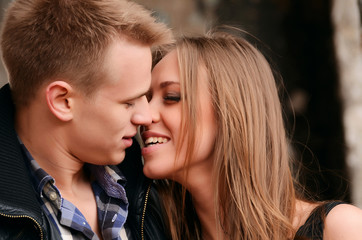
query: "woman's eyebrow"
168, 83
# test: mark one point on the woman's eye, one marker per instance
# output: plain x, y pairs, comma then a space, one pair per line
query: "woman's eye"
172, 98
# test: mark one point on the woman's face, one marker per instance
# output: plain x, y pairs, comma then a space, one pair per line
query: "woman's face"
162, 135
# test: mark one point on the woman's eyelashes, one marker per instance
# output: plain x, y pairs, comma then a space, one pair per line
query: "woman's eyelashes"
172, 98
168, 97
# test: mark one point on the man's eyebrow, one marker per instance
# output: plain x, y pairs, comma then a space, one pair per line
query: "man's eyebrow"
137, 96
168, 83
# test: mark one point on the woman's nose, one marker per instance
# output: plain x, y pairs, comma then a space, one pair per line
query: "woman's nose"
154, 109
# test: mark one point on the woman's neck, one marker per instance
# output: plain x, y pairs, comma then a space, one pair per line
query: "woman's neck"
202, 189
302, 211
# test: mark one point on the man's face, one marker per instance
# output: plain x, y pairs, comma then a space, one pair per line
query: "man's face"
103, 125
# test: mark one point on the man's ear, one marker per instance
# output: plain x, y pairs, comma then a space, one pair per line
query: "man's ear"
59, 100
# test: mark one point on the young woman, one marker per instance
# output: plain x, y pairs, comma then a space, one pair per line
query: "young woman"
217, 136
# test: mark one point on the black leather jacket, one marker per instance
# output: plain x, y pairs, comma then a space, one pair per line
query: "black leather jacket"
21, 216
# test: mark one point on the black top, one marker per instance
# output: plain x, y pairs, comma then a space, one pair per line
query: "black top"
313, 227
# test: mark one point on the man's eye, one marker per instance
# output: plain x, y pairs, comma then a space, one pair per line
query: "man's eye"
129, 104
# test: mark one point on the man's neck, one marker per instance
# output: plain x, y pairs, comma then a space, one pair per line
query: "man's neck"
48, 150
45, 142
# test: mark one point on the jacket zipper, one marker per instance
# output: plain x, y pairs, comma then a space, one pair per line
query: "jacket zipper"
24, 216
144, 212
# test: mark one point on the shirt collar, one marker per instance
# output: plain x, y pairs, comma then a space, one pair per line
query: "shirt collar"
110, 178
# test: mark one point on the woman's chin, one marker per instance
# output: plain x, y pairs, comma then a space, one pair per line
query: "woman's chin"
152, 173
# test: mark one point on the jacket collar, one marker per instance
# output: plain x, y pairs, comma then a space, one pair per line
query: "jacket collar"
17, 196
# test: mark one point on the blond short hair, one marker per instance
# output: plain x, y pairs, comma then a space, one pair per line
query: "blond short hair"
43, 40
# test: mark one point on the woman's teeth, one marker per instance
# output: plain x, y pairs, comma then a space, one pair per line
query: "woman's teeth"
155, 140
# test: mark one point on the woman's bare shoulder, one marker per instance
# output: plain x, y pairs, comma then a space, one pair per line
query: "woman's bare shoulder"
344, 221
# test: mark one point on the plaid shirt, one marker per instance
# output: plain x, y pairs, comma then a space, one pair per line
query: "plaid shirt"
112, 203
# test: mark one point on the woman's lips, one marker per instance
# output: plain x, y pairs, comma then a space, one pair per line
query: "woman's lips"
150, 149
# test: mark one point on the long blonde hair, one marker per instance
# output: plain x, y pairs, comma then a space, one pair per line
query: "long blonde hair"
254, 192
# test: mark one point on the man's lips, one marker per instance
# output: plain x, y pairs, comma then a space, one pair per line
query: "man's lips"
128, 141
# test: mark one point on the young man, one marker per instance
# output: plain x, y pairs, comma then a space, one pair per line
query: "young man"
78, 74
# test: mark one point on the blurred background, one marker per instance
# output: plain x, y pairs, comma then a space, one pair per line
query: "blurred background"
315, 47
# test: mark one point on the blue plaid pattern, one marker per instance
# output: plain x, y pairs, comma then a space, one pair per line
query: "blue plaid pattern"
112, 203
